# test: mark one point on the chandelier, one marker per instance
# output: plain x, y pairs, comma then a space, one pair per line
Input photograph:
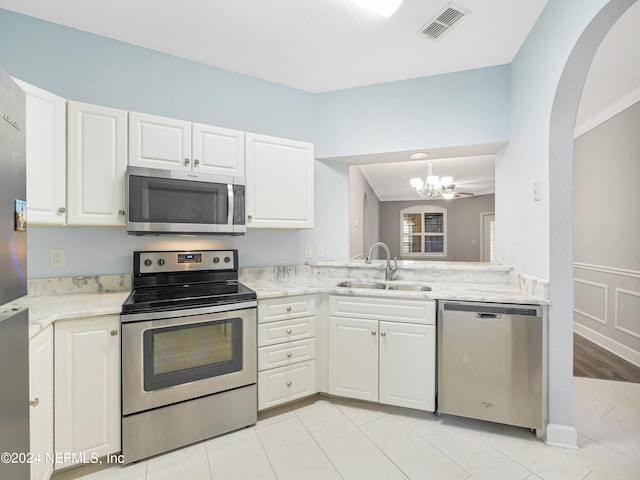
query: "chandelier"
434, 186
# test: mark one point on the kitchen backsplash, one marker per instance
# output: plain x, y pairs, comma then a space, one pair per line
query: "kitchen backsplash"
66, 285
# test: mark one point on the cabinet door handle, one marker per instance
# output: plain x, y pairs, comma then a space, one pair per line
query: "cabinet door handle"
288, 309
62, 210
289, 355
114, 333
373, 332
289, 331
196, 161
289, 384
120, 212
383, 334
187, 161
35, 402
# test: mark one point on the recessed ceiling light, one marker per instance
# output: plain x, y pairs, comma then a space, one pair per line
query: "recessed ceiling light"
418, 155
386, 8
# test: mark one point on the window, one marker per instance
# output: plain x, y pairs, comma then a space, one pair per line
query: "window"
424, 231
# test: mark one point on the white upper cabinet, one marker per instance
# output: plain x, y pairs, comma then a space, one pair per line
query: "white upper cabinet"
217, 150
46, 134
97, 162
279, 182
170, 144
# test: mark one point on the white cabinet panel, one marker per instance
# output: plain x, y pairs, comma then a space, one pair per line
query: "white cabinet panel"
96, 165
353, 358
286, 353
279, 183
274, 309
46, 135
286, 330
407, 365
171, 144
284, 384
217, 150
41, 401
391, 362
159, 142
87, 386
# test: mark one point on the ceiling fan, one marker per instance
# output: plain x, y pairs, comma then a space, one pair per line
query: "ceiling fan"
435, 187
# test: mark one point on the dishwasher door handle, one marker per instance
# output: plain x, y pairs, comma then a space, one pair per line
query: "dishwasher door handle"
488, 315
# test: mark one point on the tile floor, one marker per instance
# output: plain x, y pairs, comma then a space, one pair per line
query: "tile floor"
329, 438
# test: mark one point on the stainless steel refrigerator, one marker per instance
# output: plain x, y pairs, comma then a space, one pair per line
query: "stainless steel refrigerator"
14, 323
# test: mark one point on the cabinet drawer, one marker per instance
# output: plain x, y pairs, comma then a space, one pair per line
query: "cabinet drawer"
286, 331
286, 354
284, 384
389, 309
274, 309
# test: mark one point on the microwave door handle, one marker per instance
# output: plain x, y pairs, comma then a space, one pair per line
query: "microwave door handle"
231, 206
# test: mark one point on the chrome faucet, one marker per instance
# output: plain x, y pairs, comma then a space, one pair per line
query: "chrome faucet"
390, 271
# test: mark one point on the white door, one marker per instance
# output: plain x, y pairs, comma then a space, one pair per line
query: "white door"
159, 142
353, 358
46, 134
279, 182
87, 392
41, 401
96, 165
408, 365
217, 150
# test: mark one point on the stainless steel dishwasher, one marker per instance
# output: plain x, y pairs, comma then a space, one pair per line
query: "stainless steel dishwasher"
490, 362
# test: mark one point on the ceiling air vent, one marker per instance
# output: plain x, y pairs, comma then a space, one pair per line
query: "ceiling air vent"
443, 21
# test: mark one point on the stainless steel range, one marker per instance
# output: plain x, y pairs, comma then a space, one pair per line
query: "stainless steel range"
189, 366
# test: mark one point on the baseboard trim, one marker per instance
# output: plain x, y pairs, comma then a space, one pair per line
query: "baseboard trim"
561, 436
605, 342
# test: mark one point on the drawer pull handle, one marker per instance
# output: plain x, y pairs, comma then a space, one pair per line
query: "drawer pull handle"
289, 331
34, 403
114, 333
289, 384
383, 334
187, 161
289, 355
373, 332
288, 309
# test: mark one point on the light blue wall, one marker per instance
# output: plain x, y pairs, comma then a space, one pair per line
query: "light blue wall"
455, 109
462, 108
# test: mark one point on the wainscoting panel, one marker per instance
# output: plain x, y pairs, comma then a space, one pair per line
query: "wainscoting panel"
627, 317
607, 308
590, 300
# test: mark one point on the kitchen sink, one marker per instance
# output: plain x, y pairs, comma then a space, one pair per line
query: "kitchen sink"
379, 286
382, 286
410, 288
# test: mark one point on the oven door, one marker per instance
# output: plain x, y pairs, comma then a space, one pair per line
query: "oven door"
170, 360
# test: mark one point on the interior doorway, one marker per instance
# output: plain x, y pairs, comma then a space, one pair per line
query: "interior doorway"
488, 236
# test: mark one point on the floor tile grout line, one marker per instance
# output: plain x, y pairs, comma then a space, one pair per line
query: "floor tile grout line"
367, 437
266, 454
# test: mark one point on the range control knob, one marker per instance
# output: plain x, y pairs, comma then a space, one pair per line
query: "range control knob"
161, 261
216, 260
227, 259
148, 262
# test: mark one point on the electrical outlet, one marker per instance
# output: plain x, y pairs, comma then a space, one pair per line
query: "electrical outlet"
308, 251
57, 257
319, 251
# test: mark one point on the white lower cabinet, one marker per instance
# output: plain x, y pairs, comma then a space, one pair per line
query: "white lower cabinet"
286, 350
41, 401
383, 350
87, 388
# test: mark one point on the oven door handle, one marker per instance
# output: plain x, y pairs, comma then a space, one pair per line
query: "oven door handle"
186, 312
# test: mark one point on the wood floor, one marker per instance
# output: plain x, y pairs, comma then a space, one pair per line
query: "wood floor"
592, 361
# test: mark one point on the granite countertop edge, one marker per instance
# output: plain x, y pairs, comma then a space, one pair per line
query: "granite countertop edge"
47, 309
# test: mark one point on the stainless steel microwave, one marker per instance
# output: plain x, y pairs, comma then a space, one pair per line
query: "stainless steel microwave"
177, 202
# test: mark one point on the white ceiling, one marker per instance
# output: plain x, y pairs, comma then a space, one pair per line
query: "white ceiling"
313, 45
324, 45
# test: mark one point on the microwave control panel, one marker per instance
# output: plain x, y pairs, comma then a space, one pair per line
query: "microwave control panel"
238, 205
